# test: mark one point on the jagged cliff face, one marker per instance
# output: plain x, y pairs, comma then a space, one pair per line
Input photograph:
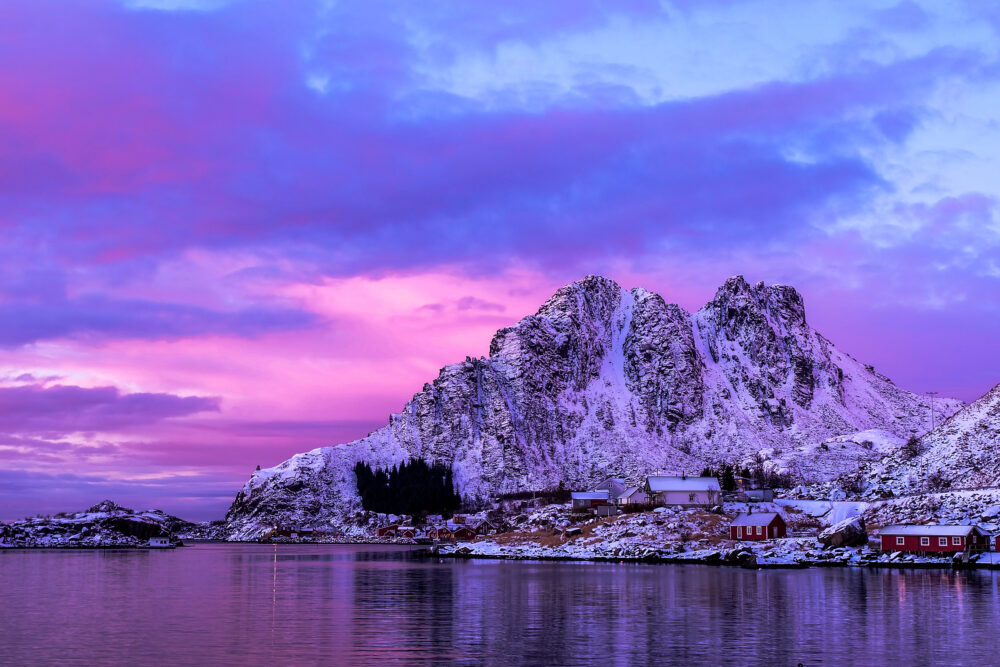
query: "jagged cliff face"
604, 380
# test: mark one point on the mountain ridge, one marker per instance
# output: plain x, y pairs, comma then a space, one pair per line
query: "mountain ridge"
603, 380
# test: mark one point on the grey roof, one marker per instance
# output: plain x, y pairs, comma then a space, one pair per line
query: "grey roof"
659, 483
755, 519
931, 531
630, 491
590, 495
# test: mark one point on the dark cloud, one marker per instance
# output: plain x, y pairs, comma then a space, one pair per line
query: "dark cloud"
68, 409
98, 317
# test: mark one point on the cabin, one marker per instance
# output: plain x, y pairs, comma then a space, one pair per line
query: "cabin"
934, 539
757, 526
584, 500
683, 490
388, 531
633, 495
484, 527
159, 542
465, 533
615, 486
406, 531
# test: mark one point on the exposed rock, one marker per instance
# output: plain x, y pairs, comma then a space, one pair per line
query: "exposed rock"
106, 524
603, 380
850, 532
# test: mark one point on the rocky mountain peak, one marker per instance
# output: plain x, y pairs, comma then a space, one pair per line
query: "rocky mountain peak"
736, 303
603, 381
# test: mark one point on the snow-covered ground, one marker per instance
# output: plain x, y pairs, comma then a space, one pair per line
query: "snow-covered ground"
681, 535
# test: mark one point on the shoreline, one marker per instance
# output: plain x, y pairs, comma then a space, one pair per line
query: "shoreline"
717, 559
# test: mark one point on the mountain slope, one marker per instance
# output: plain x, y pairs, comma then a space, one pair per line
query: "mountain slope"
604, 380
964, 452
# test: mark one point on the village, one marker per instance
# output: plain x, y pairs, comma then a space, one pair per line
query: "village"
693, 519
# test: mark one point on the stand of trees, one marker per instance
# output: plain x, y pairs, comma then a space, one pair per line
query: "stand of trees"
757, 471
412, 487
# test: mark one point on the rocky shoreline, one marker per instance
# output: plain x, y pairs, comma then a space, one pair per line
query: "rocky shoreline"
736, 557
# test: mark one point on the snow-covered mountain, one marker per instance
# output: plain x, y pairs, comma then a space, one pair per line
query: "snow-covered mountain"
962, 453
605, 380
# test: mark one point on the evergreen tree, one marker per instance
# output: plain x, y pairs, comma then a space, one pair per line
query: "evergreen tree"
413, 487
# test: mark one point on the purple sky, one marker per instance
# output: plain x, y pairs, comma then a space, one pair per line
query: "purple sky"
236, 230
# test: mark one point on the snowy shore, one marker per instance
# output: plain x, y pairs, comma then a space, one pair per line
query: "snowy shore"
689, 535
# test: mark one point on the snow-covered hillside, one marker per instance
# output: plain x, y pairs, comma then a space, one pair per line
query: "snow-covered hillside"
963, 452
605, 380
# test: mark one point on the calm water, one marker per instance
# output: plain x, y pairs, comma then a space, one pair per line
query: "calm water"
250, 605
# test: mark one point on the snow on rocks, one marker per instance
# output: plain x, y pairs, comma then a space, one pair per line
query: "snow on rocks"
849, 532
103, 525
606, 380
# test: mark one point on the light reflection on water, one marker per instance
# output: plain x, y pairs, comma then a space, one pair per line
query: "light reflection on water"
311, 604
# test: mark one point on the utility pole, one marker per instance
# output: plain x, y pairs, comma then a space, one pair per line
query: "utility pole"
932, 394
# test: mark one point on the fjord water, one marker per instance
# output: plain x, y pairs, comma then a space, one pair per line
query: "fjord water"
355, 604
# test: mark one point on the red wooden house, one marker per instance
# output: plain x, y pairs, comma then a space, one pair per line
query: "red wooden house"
757, 526
443, 533
464, 533
388, 531
934, 539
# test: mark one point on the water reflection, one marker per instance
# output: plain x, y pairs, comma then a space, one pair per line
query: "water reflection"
264, 604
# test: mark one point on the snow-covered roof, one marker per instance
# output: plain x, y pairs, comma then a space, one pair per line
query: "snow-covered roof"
755, 519
590, 495
659, 483
929, 530
629, 492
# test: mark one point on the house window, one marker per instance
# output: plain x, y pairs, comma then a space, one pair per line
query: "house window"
691, 497
900, 541
957, 541
925, 541
760, 530
942, 541
739, 531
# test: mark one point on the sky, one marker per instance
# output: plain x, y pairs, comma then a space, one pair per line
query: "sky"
234, 230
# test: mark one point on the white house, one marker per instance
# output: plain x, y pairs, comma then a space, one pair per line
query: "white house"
159, 542
683, 490
631, 496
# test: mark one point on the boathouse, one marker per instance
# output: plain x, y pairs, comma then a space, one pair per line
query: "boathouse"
934, 539
757, 526
159, 542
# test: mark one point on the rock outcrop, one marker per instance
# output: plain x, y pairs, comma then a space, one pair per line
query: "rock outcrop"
106, 524
850, 532
604, 380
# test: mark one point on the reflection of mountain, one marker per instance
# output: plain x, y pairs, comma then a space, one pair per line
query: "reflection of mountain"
605, 380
